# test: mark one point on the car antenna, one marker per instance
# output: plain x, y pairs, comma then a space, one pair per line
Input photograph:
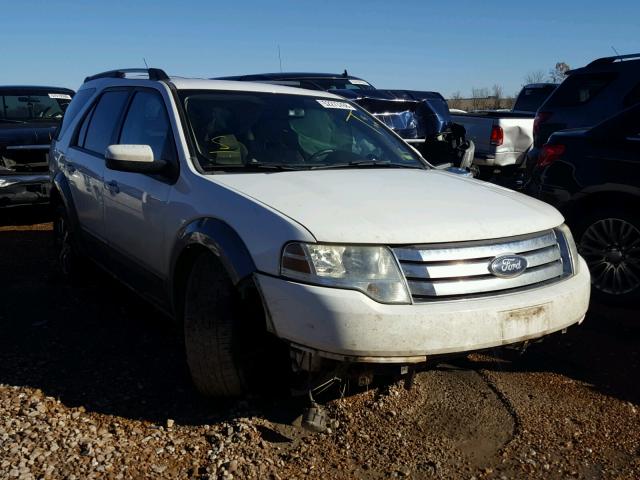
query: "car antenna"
345, 74
280, 58
145, 63
616, 52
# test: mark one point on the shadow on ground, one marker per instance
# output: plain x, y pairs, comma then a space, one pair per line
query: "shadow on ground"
603, 352
95, 345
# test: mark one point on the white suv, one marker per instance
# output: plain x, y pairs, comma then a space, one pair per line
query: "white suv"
253, 212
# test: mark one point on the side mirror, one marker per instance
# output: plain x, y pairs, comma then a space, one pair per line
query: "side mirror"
133, 158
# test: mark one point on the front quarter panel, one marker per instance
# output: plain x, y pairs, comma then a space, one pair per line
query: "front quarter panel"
199, 207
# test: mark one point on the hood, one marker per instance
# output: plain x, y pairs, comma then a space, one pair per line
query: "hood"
27, 133
395, 207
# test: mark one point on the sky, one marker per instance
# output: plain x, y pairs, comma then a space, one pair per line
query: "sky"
421, 45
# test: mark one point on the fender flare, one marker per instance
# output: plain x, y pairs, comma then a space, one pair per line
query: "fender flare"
219, 238
61, 186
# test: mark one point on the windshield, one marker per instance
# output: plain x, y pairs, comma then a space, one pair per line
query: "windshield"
245, 129
531, 98
28, 106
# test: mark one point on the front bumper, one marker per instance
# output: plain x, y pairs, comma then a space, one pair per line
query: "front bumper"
348, 325
16, 190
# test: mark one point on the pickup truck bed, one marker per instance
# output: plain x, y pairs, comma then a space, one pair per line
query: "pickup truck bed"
501, 138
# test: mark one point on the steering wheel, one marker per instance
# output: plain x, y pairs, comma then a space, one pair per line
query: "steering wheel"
325, 151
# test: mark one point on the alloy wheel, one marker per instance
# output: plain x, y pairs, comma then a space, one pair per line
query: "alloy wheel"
611, 248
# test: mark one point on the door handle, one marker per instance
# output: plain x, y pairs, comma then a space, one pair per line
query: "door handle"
113, 187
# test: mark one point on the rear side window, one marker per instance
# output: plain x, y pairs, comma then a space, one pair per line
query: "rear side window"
103, 121
79, 101
531, 98
580, 89
147, 123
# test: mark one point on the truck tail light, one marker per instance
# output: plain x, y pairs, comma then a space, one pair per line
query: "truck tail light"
549, 154
541, 117
497, 136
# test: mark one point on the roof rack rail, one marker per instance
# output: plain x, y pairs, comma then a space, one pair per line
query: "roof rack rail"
605, 60
153, 73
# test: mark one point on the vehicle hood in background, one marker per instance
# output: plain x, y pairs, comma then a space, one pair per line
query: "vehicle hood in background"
395, 207
411, 114
13, 134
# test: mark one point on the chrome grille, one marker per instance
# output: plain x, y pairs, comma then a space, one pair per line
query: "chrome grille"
450, 270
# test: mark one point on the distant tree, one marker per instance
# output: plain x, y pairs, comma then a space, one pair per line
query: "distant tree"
558, 73
534, 77
479, 98
497, 93
455, 100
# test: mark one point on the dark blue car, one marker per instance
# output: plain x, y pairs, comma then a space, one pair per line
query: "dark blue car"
592, 175
586, 97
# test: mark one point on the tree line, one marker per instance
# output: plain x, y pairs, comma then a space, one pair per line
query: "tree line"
494, 98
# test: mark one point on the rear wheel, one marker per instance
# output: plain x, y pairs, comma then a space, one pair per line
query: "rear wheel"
609, 241
228, 349
68, 256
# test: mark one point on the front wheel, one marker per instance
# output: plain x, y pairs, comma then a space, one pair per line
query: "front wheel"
609, 241
228, 349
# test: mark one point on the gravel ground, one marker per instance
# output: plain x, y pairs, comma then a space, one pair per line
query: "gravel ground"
93, 385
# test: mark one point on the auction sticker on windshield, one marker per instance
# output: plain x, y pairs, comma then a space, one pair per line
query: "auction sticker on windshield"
61, 96
334, 104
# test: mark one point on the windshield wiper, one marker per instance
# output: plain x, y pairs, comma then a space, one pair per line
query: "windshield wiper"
8, 120
366, 163
278, 167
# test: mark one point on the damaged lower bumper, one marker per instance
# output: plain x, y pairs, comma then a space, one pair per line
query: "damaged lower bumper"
346, 325
25, 189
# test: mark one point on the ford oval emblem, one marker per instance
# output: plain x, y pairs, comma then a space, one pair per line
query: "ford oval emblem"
508, 266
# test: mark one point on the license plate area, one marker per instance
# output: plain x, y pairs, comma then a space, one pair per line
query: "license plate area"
524, 321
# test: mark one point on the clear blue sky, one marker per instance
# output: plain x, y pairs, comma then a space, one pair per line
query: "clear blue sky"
444, 46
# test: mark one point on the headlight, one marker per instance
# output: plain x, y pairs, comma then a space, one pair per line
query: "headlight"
568, 248
371, 270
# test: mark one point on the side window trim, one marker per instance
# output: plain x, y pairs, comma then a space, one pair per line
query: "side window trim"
174, 160
90, 111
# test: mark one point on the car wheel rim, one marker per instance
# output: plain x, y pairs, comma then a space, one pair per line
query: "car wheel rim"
611, 248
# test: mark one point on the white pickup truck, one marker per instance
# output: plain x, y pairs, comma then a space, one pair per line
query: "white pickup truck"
501, 138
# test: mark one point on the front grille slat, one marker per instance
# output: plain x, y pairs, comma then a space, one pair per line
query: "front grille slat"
471, 268
450, 270
442, 288
453, 253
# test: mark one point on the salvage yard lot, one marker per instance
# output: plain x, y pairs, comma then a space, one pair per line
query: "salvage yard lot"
93, 385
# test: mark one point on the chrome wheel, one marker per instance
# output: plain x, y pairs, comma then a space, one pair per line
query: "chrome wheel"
611, 248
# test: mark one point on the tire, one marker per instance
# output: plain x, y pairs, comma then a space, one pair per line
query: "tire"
70, 262
609, 240
228, 349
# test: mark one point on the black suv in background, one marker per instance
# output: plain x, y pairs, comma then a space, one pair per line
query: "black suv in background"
29, 117
593, 177
586, 97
